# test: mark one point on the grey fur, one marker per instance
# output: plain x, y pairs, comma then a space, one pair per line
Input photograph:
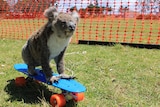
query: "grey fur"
50, 42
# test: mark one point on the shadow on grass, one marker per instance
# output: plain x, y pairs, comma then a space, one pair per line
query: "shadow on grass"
31, 93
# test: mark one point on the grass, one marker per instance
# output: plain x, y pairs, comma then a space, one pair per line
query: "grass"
114, 76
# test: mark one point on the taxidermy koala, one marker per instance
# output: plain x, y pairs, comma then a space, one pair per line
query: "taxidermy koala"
50, 42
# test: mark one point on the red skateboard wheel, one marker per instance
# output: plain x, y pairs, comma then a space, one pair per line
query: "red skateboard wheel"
78, 96
57, 100
20, 81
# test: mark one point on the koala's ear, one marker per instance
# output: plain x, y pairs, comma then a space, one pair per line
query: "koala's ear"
76, 16
51, 13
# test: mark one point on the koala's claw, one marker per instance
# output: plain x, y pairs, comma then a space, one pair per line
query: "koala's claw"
54, 79
61, 76
64, 76
33, 73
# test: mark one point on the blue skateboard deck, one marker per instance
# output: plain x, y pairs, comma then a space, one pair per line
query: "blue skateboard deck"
69, 85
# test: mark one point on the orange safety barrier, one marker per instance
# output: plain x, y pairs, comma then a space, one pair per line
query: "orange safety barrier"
126, 21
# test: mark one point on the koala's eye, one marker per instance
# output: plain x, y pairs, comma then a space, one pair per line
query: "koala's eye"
63, 24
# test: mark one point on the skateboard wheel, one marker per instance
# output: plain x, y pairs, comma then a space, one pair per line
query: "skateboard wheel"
57, 100
78, 96
37, 81
20, 81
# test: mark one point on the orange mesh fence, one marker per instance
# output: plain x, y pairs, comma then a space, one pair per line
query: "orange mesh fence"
129, 21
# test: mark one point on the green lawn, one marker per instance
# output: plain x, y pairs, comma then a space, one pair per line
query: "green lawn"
114, 76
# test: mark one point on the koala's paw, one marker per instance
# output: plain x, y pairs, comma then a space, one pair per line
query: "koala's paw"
64, 76
53, 79
61, 76
32, 73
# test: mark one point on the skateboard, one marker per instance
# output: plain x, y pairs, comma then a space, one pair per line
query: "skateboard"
71, 89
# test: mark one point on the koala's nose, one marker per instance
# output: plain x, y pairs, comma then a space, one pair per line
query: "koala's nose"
71, 27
